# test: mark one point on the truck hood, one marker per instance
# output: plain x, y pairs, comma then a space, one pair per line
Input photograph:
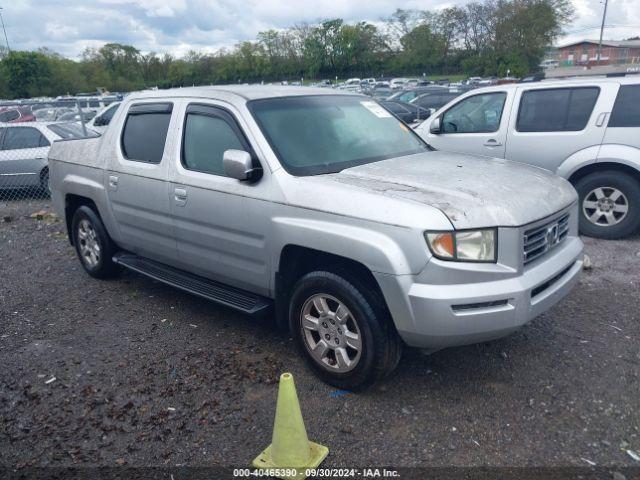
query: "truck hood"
472, 191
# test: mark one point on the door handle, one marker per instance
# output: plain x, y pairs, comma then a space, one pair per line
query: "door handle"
113, 182
492, 142
601, 118
180, 196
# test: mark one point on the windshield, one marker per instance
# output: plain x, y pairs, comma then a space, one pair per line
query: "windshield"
313, 135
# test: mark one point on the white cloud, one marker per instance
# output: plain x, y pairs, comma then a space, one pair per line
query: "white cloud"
623, 20
177, 26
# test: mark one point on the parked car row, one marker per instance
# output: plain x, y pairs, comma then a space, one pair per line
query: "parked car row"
367, 85
49, 110
413, 105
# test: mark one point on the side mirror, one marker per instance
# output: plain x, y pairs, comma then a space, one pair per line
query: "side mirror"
238, 164
436, 126
98, 121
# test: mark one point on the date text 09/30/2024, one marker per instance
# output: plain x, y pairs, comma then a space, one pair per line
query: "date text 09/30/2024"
318, 472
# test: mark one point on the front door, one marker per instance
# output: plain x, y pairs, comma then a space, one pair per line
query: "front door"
220, 223
476, 124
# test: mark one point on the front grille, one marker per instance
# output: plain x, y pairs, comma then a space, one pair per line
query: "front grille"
539, 240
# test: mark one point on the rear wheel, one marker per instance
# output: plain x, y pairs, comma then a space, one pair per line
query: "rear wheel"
94, 247
345, 335
609, 204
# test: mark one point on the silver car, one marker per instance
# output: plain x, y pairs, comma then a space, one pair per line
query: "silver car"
587, 131
24, 148
321, 209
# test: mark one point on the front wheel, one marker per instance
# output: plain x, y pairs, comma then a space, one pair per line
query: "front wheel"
609, 204
345, 335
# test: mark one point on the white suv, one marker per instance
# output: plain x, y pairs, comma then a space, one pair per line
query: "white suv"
587, 131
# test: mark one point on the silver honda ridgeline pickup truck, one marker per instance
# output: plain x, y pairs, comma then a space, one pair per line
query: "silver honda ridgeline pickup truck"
324, 209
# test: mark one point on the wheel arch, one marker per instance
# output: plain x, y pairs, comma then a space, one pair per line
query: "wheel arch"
71, 203
604, 166
297, 260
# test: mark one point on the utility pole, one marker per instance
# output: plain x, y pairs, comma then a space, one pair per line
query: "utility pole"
604, 16
5, 31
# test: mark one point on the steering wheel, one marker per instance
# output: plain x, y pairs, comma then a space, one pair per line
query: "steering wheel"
453, 125
468, 124
356, 142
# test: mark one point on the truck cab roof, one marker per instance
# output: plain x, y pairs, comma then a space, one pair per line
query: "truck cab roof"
245, 92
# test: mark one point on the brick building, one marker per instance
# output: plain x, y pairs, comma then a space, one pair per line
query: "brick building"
585, 53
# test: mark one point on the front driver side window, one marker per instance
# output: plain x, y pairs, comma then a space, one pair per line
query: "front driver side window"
476, 114
208, 132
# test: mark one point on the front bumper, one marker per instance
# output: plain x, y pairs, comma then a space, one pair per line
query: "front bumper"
439, 316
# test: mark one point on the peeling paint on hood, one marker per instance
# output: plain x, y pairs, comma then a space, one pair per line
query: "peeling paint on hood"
473, 191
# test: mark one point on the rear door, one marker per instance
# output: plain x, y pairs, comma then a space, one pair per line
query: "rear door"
624, 123
23, 157
476, 124
137, 181
549, 124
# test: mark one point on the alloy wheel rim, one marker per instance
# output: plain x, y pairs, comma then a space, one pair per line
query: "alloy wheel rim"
605, 206
331, 333
89, 244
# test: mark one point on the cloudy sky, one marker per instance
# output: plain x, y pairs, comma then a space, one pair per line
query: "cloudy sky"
176, 26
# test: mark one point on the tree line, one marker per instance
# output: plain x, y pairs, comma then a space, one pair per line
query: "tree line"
490, 37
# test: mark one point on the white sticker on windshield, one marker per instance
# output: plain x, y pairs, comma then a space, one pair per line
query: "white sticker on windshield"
376, 109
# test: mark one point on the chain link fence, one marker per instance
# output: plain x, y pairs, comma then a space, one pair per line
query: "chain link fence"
27, 131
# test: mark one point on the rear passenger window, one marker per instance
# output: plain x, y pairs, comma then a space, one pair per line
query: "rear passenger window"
145, 132
556, 110
626, 110
23, 137
208, 132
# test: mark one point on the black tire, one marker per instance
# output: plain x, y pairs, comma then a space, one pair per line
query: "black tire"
609, 179
44, 181
381, 346
104, 266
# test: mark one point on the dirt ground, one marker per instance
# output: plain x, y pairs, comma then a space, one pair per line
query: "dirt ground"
129, 372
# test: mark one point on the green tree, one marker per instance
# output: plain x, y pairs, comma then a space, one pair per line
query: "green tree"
422, 50
27, 73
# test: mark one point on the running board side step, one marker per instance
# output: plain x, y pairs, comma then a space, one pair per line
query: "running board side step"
232, 297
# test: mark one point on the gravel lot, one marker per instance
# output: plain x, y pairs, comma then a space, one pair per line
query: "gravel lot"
146, 375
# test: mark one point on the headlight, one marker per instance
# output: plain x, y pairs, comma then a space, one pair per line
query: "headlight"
464, 246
